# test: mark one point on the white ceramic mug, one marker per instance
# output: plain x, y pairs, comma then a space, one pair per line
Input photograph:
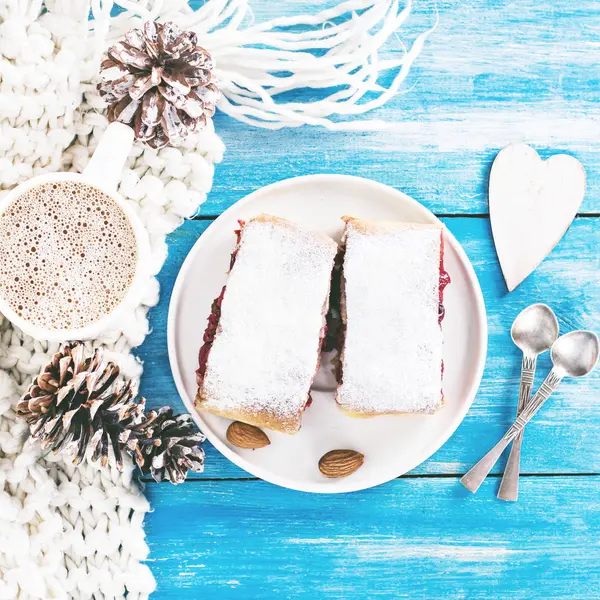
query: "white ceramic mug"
103, 173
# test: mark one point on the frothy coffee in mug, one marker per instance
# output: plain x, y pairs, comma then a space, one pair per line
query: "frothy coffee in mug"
68, 255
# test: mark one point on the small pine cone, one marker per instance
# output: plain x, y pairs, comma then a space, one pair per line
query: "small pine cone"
76, 403
160, 81
166, 446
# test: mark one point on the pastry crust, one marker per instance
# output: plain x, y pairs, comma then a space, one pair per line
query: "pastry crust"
259, 419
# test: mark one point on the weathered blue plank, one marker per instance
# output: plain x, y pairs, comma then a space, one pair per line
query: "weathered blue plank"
564, 436
492, 73
411, 538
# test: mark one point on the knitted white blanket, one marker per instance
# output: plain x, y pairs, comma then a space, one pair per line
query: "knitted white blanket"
69, 532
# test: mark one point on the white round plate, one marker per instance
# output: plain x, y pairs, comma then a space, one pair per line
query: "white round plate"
392, 445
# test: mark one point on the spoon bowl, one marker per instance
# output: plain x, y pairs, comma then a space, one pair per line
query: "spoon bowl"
576, 353
535, 329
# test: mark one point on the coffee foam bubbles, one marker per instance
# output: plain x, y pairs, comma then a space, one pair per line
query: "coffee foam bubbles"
68, 255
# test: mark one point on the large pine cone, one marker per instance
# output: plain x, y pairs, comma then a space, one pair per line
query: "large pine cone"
76, 404
161, 82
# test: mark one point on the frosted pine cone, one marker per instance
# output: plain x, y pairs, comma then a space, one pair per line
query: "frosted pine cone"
77, 404
160, 81
166, 446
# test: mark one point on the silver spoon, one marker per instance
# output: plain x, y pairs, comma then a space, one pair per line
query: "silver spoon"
574, 354
534, 331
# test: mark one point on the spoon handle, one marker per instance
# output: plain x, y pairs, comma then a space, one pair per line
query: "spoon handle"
509, 486
544, 392
475, 476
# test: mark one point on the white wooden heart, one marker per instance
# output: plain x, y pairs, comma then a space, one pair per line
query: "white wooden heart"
532, 204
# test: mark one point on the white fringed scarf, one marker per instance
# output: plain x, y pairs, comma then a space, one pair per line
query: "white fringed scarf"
336, 51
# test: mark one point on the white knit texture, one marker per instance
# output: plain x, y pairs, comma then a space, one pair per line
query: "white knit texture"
69, 532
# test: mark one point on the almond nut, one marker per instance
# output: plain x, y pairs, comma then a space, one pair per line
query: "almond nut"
340, 463
243, 435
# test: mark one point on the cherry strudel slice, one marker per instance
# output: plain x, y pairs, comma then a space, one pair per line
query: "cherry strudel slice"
262, 345
392, 291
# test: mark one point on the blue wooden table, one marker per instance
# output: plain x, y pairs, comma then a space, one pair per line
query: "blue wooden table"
494, 72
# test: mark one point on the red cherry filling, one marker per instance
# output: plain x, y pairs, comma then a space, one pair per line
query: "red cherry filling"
215, 316
444, 281
209, 336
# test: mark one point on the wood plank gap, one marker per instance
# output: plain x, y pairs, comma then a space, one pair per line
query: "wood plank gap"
585, 215
494, 475
194, 480
204, 479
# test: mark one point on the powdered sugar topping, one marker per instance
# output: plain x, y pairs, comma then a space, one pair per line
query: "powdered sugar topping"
392, 359
266, 351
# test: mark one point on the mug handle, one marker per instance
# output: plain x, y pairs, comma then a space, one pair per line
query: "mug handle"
106, 165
